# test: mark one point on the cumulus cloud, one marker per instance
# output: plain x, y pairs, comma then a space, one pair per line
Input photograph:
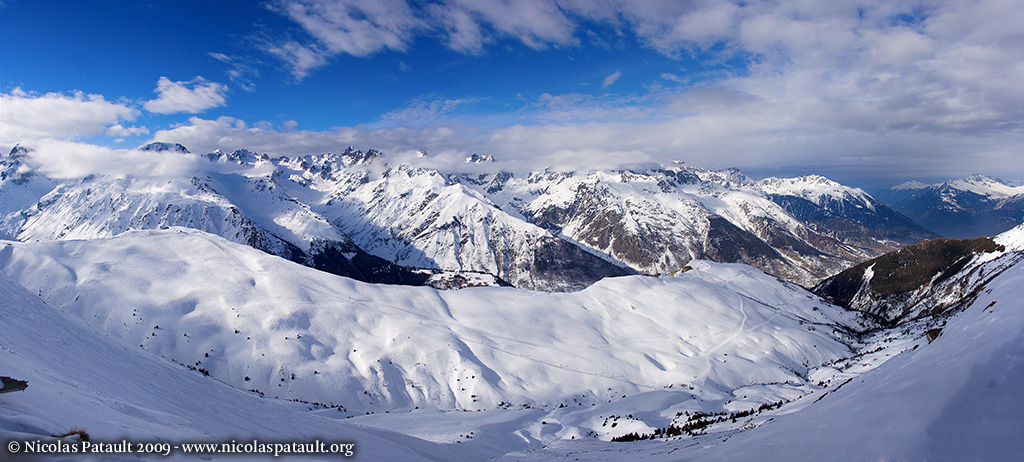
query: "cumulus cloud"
26, 117
121, 132
193, 96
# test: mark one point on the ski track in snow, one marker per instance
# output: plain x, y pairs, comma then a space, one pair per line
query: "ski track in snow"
561, 366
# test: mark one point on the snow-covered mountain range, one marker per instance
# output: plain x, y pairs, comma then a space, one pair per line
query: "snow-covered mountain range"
355, 214
969, 207
212, 285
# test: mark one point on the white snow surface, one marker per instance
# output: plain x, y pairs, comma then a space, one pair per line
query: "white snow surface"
428, 219
986, 186
976, 183
1012, 239
80, 377
815, 188
908, 185
675, 206
626, 355
183, 294
956, 398
416, 217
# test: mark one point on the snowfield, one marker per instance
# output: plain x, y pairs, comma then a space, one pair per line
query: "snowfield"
256, 321
115, 336
955, 398
80, 377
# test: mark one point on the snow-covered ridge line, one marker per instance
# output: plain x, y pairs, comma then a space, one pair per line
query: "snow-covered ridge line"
976, 183
814, 188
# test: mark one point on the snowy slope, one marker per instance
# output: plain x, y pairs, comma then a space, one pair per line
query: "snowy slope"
256, 321
80, 377
986, 186
954, 398
626, 355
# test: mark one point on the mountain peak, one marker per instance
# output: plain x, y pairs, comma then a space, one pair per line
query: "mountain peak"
909, 185
985, 186
979, 178
18, 152
814, 188
354, 156
245, 156
161, 147
478, 159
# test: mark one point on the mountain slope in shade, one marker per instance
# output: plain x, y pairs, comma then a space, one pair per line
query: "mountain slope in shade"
20, 189
969, 207
80, 377
919, 280
256, 321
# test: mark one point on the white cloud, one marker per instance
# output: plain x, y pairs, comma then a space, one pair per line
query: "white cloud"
363, 27
535, 23
240, 70
196, 95
68, 159
301, 58
121, 132
576, 108
356, 27
26, 117
427, 109
674, 78
851, 90
611, 78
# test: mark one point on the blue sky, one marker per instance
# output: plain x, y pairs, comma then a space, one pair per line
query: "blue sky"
868, 93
